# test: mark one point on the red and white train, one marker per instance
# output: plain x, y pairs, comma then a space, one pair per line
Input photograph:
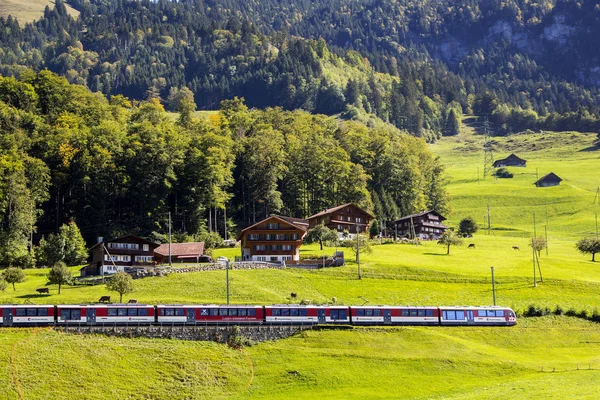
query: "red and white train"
137, 314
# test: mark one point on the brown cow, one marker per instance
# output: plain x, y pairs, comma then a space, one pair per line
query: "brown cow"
104, 299
43, 290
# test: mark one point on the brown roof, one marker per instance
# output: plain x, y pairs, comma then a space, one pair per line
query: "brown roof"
551, 177
302, 226
295, 221
180, 249
334, 209
124, 239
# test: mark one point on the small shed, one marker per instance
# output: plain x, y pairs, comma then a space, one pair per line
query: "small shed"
550, 179
190, 252
511, 161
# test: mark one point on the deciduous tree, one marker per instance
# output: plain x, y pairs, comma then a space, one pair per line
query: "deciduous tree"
589, 246
449, 238
14, 275
59, 275
121, 283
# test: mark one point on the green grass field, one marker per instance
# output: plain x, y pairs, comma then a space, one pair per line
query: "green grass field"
29, 10
546, 357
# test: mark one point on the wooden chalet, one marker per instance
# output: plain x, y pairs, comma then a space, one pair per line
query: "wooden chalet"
511, 161
426, 225
112, 256
190, 252
274, 239
550, 179
347, 217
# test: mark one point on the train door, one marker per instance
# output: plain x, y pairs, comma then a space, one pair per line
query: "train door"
7, 316
321, 316
470, 317
91, 315
191, 316
387, 316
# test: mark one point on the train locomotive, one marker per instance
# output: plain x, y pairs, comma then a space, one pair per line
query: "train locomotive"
286, 314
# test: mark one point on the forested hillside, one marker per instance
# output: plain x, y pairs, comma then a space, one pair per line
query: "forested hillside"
116, 166
417, 64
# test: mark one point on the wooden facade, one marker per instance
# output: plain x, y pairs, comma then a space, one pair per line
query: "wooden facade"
550, 179
274, 239
347, 217
112, 256
426, 225
510, 161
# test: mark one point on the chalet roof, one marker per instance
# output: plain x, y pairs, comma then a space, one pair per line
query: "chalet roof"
181, 249
124, 239
334, 209
287, 220
551, 177
442, 218
295, 221
513, 156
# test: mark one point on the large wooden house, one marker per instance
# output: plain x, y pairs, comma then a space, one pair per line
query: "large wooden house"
112, 256
511, 161
425, 225
347, 217
274, 239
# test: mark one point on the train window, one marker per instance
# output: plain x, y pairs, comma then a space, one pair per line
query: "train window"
360, 313
499, 313
368, 313
251, 312
484, 313
242, 312
304, 313
413, 313
449, 315
31, 312
179, 312
21, 312
276, 312
143, 312
112, 312
377, 313
460, 315
223, 312
65, 314
421, 313
405, 313
429, 313
214, 312
42, 312
343, 314
334, 314
122, 312
233, 312
132, 312
294, 312
169, 312
285, 312
75, 314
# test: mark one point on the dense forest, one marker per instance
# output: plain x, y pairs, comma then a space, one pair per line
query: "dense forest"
419, 65
116, 166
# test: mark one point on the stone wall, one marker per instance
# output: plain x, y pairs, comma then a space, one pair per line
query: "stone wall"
220, 334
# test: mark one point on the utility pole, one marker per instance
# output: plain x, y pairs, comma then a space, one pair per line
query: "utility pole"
534, 229
170, 263
227, 279
358, 250
493, 286
225, 222
596, 225
489, 220
488, 154
546, 232
533, 250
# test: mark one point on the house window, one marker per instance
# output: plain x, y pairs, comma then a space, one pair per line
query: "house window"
144, 259
146, 247
273, 226
358, 220
280, 236
268, 236
124, 246
260, 247
349, 219
273, 247
254, 236
340, 227
117, 258
294, 236
286, 247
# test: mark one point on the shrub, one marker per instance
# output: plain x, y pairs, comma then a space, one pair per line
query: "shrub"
503, 173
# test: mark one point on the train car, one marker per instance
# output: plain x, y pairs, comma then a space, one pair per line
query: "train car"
306, 315
232, 314
392, 315
73, 314
477, 316
26, 315
119, 314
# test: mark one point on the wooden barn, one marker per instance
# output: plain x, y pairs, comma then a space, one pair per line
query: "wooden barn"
511, 161
426, 225
550, 179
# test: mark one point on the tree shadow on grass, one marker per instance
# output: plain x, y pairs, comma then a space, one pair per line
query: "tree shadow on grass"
33, 296
592, 148
435, 254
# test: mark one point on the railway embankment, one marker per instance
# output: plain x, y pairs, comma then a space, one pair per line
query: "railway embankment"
220, 334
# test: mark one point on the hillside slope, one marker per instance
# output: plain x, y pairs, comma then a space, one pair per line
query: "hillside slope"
570, 207
29, 10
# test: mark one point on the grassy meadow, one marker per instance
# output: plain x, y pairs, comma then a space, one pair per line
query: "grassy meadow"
544, 357
29, 10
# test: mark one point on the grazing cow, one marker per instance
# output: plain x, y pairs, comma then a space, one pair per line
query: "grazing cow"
132, 301
104, 299
516, 248
43, 290
294, 295
471, 245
